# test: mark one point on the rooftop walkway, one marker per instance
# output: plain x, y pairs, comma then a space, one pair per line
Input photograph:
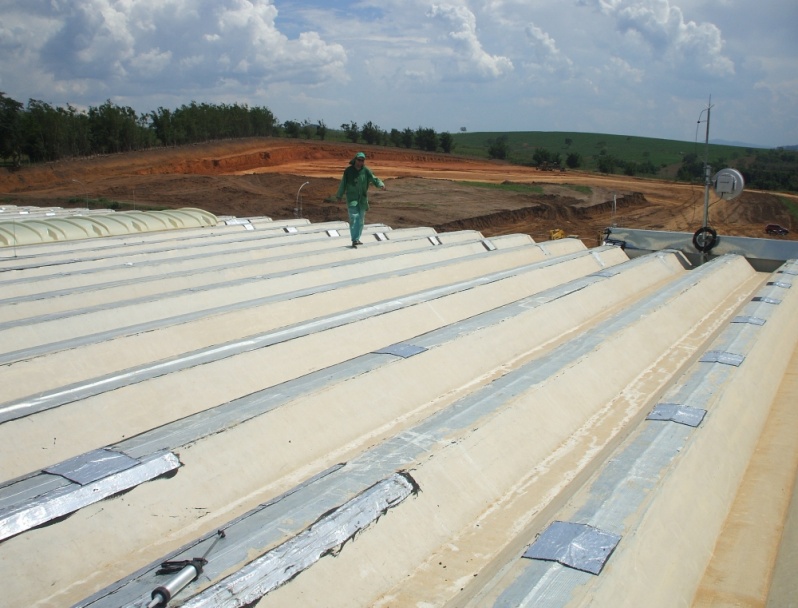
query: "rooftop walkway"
436, 419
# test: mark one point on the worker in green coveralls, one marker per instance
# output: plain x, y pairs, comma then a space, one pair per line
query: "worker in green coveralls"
355, 184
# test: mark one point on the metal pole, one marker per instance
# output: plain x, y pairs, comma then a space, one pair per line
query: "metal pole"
298, 208
85, 191
707, 167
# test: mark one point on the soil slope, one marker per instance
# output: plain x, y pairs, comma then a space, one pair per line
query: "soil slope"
283, 178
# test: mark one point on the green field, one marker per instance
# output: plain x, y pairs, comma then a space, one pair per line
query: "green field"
661, 153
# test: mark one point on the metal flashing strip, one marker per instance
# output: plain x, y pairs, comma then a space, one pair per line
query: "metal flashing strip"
766, 300
91, 466
577, 546
333, 233
380, 236
726, 358
781, 284
403, 350
94, 386
74, 496
749, 319
327, 535
434, 240
598, 259
290, 230
488, 244
675, 412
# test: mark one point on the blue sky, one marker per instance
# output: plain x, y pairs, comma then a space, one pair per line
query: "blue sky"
629, 67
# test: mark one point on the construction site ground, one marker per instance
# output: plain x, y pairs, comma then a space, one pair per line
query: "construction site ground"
284, 178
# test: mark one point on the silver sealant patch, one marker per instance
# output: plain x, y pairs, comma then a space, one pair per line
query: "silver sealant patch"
577, 546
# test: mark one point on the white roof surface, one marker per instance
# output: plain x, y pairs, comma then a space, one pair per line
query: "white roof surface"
394, 425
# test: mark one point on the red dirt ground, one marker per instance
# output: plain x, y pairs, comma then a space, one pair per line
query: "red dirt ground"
263, 177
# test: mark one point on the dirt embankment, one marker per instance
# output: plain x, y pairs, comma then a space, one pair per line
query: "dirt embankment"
284, 178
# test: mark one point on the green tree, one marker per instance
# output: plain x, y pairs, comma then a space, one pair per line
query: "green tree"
291, 129
499, 148
11, 137
407, 137
351, 131
606, 163
396, 137
573, 160
113, 128
41, 126
447, 142
263, 121
546, 158
321, 130
692, 168
426, 139
370, 133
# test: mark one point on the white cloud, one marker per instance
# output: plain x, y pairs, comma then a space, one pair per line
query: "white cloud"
464, 33
622, 68
663, 29
190, 44
597, 65
545, 51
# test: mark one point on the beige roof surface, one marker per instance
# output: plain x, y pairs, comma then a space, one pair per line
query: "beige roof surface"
426, 420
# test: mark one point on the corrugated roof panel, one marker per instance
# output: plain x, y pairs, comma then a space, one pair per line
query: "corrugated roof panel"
68, 225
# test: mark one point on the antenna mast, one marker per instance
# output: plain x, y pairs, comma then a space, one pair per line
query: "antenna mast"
707, 167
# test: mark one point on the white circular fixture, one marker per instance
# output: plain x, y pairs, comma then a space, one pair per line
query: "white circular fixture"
728, 183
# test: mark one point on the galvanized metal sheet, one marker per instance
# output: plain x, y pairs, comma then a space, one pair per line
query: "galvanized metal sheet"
577, 546
380, 236
782, 284
726, 358
748, 319
766, 300
676, 412
434, 240
487, 244
69, 498
765, 255
91, 466
333, 233
281, 564
401, 350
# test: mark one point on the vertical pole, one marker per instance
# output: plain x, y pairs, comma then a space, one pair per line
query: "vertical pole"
707, 168
298, 207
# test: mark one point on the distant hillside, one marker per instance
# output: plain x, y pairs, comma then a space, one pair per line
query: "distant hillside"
591, 147
762, 168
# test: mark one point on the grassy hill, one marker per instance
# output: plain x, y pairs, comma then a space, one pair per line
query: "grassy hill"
591, 147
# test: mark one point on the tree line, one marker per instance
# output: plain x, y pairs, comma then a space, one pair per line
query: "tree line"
40, 132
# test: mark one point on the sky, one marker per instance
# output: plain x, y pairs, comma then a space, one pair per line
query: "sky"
646, 68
